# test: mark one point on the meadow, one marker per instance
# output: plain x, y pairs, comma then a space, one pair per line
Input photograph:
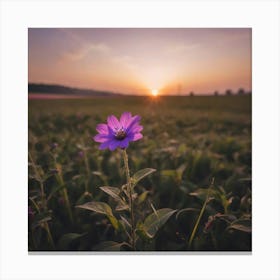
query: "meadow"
200, 147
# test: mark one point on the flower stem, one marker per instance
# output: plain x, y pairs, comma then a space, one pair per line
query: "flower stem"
65, 196
130, 199
50, 238
200, 215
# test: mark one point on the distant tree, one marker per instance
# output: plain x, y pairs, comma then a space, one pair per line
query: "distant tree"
228, 92
191, 93
216, 93
241, 91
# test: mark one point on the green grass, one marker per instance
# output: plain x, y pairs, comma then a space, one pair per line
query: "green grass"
189, 140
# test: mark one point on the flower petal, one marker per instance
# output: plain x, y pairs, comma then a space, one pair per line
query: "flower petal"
101, 138
102, 128
113, 145
134, 120
136, 136
113, 122
104, 145
135, 128
124, 143
125, 119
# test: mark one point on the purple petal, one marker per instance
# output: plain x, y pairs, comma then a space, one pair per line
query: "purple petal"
125, 119
101, 138
134, 121
113, 122
113, 145
136, 136
124, 143
104, 145
102, 128
135, 128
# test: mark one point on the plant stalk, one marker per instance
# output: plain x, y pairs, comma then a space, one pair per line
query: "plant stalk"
59, 177
87, 171
130, 199
200, 215
50, 238
87, 168
65, 196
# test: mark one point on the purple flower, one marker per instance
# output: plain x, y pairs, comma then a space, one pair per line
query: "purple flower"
118, 133
54, 146
81, 154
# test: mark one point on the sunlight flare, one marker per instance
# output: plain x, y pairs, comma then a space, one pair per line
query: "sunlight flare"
154, 92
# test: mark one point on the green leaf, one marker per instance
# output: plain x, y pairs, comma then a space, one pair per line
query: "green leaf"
113, 192
122, 206
201, 194
142, 197
84, 198
58, 188
66, 240
114, 222
109, 246
139, 175
186, 210
156, 220
180, 170
98, 207
244, 225
126, 226
227, 218
169, 173
41, 219
126, 222
141, 231
101, 208
125, 190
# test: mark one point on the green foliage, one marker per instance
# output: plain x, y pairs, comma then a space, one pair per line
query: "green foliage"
66, 240
139, 175
187, 140
113, 192
41, 219
155, 221
244, 225
101, 208
109, 246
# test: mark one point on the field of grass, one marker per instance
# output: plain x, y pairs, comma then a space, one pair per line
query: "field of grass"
190, 141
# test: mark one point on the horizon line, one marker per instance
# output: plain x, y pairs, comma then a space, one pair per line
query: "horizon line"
191, 92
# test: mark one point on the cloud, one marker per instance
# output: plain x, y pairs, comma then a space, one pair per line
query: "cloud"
125, 61
85, 50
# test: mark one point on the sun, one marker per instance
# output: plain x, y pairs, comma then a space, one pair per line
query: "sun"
154, 92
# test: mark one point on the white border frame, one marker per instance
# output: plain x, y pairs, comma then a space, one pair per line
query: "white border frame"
17, 16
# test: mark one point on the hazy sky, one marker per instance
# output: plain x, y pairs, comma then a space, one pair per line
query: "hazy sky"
131, 60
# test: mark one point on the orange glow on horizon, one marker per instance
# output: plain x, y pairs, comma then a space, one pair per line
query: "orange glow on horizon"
154, 92
142, 61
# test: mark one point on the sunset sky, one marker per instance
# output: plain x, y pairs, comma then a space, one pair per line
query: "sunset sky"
139, 61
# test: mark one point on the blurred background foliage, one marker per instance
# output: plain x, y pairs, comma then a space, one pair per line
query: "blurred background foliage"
188, 140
